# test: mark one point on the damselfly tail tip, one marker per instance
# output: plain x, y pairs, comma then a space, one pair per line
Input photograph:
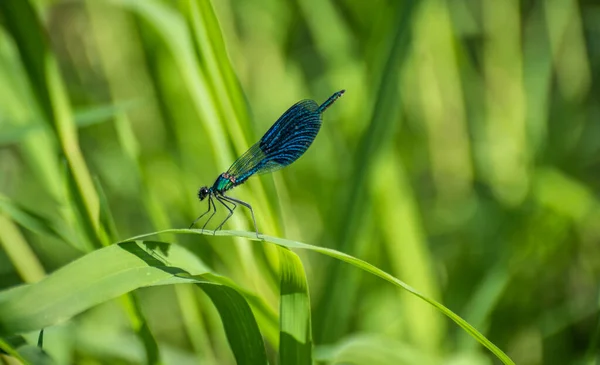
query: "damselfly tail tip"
331, 100
338, 94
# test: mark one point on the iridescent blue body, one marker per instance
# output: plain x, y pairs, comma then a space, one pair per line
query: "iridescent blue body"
287, 139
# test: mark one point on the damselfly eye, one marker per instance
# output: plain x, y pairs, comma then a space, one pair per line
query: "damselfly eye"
202, 193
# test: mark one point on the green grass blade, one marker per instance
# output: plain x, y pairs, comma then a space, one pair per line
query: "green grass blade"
106, 218
6, 347
93, 279
104, 113
140, 326
31, 220
26, 29
18, 251
268, 319
373, 349
194, 324
10, 135
22, 23
240, 325
35, 355
363, 266
118, 269
384, 121
295, 336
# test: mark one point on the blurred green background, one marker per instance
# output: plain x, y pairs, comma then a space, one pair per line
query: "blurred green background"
464, 159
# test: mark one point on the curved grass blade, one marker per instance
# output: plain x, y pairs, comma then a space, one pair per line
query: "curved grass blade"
363, 266
234, 310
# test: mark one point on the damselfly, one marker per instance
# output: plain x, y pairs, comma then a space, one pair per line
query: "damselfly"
284, 143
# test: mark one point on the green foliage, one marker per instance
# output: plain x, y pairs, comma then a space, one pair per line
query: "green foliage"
462, 160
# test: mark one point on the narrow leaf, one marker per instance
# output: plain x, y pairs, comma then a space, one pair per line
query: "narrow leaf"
295, 336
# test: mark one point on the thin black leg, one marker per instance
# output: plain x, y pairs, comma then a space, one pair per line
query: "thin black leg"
202, 215
233, 200
214, 211
220, 199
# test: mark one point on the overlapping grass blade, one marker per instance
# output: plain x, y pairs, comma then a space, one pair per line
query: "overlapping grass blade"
140, 327
26, 29
16, 348
7, 348
35, 355
13, 134
373, 349
241, 327
95, 278
31, 220
118, 269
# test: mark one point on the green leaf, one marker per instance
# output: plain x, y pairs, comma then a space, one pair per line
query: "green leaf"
118, 269
35, 355
31, 219
9, 349
11, 133
90, 280
19, 252
361, 265
373, 349
22, 23
295, 336
266, 315
102, 113
17, 348
241, 327
140, 326
25, 27
382, 126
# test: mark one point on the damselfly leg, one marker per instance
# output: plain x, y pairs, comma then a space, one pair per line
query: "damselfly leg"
234, 201
203, 214
214, 211
220, 199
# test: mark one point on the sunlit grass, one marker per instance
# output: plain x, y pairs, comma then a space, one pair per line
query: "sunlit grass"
462, 161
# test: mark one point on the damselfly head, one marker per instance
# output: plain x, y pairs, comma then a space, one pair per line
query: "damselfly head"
203, 192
